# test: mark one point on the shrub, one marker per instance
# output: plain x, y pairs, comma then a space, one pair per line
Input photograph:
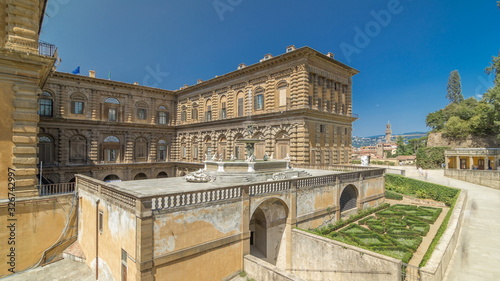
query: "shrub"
418, 188
430, 157
393, 195
394, 251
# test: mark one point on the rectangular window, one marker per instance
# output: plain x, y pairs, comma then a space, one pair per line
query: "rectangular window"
183, 116
45, 108
209, 113
112, 114
194, 115
282, 97
111, 155
184, 152
141, 114
101, 221
223, 111
259, 102
322, 128
195, 152
162, 153
240, 107
162, 118
77, 107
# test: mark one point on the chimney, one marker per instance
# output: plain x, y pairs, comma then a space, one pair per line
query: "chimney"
290, 48
241, 66
330, 55
199, 81
92, 73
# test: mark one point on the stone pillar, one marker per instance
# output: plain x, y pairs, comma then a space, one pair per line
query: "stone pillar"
457, 161
447, 162
471, 162
486, 166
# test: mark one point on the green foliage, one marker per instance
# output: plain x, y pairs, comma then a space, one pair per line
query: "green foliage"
393, 195
454, 88
421, 189
462, 118
430, 157
456, 128
439, 233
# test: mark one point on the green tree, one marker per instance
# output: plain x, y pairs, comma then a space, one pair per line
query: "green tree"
435, 120
456, 128
454, 88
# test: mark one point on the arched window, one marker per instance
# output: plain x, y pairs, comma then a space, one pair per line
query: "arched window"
208, 110
162, 150
141, 150
194, 112
183, 148
222, 146
239, 147
194, 145
183, 113
163, 115
46, 150
162, 175
282, 94
111, 178
240, 103
140, 176
282, 145
46, 103
78, 101
111, 149
223, 107
258, 101
111, 106
142, 111
78, 149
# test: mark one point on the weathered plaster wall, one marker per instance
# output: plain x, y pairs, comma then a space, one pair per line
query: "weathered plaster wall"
193, 226
215, 264
118, 232
39, 225
319, 258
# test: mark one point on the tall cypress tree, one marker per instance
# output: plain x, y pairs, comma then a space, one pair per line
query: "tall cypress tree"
454, 88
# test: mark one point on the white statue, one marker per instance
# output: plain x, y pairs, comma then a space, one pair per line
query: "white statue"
287, 158
272, 156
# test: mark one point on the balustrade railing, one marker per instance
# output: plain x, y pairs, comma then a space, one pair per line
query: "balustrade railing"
183, 199
55, 189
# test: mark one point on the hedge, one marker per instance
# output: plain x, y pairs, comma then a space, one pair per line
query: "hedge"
420, 189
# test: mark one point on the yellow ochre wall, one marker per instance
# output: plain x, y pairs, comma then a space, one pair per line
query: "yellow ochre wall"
119, 232
39, 226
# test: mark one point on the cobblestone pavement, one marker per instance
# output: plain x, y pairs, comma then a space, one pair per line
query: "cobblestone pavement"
58, 271
477, 256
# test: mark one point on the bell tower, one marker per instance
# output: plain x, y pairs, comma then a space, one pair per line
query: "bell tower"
388, 132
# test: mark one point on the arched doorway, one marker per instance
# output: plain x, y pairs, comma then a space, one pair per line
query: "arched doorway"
111, 178
140, 176
267, 227
162, 175
348, 198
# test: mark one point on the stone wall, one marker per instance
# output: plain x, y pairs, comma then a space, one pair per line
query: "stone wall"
438, 263
486, 178
318, 258
438, 140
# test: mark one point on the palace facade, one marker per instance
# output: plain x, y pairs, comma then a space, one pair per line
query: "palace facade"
301, 102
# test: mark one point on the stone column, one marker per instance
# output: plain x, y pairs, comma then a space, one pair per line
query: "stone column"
471, 162
457, 161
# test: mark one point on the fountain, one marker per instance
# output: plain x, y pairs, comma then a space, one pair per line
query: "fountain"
251, 169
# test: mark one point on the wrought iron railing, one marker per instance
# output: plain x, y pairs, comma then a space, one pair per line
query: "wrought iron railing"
56, 189
46, 49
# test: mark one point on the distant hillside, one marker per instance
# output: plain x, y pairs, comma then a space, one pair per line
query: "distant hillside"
373, 140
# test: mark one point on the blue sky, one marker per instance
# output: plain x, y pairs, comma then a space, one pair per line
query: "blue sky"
405, 49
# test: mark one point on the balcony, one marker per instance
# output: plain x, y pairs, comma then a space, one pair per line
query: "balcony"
36, 48
46, 49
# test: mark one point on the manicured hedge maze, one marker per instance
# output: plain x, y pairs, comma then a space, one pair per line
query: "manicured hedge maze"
396, 231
